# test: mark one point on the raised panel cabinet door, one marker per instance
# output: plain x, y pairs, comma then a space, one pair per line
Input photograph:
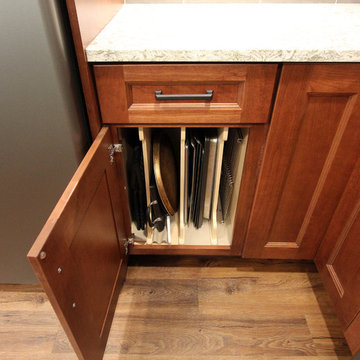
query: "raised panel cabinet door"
352, 335
311, 150
79, 255
338, 258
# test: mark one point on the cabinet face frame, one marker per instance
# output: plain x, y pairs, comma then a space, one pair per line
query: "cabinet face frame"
79, 256
87, 18
253, 157
338, 259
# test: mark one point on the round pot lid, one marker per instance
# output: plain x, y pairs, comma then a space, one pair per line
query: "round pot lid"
165, 172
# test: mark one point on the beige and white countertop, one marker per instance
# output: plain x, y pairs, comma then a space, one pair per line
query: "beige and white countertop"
230, 32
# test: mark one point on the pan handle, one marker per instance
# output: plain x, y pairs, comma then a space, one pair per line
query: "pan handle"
152, 222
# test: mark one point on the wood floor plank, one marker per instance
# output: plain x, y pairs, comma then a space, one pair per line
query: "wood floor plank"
17, 355
28, 340
320, 326
155, 292
321, 357
259, 295
21, 319
192, 308
162, 272
69, 356
223, 338
221, 261
24, 301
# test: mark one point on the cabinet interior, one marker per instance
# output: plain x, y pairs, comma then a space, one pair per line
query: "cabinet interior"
228, 163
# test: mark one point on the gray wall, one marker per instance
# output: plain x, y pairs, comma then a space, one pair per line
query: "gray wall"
43, 127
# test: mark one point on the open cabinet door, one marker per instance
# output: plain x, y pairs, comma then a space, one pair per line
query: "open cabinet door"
79, 256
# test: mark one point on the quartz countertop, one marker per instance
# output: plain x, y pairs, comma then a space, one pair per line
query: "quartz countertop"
230, 33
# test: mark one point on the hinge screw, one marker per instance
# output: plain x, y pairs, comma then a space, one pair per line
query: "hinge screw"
74, 305
59, 270
42, 255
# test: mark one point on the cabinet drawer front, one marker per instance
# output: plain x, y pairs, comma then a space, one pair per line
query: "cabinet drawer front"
241, 94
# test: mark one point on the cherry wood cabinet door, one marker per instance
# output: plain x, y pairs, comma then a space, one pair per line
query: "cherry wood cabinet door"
338, 258
311, 150
352, 335
79, 255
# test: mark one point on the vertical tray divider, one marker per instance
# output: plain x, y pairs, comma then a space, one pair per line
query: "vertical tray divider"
182, 187
145, 138
240, 153
222, 137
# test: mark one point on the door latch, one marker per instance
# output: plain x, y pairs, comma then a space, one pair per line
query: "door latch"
115, 148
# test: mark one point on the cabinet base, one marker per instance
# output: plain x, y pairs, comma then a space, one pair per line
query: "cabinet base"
217, 250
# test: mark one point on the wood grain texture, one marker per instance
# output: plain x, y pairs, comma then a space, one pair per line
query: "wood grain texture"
78, 255
338, 258
309, 155
186, 308
352, 335
122, 185
250, 175
242, 93
87, 18
214, 250
93, 16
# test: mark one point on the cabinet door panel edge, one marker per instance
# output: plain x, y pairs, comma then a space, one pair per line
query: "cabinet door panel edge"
79, 255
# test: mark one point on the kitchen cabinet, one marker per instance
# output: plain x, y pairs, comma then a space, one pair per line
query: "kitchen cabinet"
309, 192
310, 153
293, 177
352, 336
311, 149
338, 258
80, 255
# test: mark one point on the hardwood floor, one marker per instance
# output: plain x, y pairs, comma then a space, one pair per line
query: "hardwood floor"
191, 308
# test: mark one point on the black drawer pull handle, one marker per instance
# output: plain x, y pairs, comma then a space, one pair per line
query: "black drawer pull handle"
208, 96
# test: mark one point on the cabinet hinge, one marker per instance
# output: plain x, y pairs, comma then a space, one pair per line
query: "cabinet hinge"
131, 240
126, 246
116, 148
